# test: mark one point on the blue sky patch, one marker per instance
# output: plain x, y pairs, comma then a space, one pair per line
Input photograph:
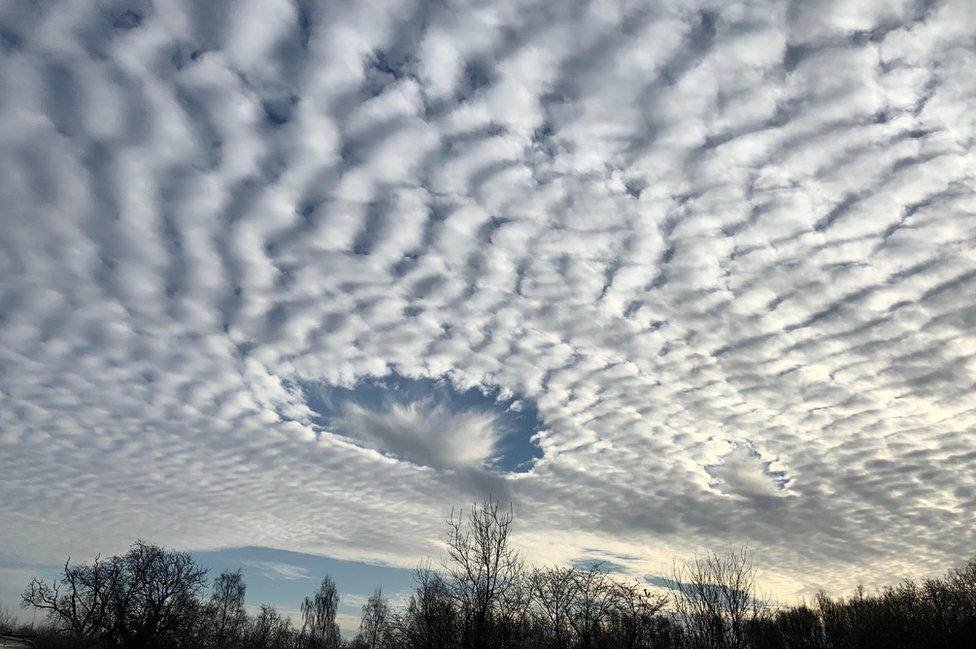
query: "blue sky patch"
430, 422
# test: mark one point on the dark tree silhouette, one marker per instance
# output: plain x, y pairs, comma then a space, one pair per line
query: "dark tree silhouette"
319, 628
143, 599
714, 597
484, 569
554, 590
152, 598
7, 621
374, 626
269, 630
634, 615
429, 620
227, 610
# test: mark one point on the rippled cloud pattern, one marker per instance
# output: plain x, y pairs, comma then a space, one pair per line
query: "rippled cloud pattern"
726, 252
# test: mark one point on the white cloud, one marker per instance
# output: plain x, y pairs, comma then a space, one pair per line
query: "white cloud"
667, 226
278, 569
426, 434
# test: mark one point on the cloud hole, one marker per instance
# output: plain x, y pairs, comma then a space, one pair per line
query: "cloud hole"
430, 421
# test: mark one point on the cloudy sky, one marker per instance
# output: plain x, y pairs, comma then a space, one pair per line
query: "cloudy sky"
668, 275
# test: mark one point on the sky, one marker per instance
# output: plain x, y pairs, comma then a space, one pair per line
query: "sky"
283, 281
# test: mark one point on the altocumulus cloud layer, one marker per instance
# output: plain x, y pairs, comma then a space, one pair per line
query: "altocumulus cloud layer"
727, 251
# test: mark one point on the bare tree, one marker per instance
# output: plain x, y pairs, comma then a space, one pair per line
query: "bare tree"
586, 607
795, 627
7, 620
554, 590
593, 600
227, 609
513, 619
319, 628
483, 566
714, 599
430, 620
269, 630
635, 615
150, 598
143, 599
373, 625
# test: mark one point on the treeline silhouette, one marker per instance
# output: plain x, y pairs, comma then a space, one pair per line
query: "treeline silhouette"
485, 597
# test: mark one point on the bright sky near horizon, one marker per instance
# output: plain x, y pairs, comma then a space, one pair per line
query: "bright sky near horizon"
666, 274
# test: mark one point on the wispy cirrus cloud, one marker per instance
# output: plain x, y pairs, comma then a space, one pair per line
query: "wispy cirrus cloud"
278, 570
